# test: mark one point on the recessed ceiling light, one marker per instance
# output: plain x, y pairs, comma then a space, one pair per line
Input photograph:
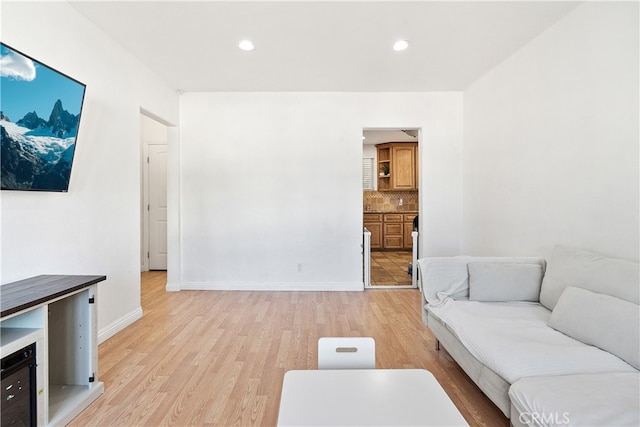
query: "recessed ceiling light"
401, 45
246, 45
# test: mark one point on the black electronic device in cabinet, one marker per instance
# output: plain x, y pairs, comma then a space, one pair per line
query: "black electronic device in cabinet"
18, 379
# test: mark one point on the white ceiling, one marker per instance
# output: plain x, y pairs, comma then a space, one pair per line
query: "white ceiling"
322, 45
379, 136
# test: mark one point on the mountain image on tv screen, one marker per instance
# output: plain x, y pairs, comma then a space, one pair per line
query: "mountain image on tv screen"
39, 118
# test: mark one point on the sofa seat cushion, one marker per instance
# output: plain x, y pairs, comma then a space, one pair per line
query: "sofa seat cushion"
513, 340
611, 399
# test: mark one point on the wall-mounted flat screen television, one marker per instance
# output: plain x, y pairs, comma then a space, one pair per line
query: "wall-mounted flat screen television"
40, 111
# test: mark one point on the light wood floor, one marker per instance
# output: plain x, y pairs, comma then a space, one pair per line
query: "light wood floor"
218, 357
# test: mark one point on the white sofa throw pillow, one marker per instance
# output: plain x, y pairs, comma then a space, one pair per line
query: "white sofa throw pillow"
609, 323
504, 281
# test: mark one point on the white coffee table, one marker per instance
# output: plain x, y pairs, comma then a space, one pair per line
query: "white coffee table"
365, 397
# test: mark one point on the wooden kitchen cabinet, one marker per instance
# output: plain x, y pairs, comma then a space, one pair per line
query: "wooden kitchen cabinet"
384, 167
373, 223
397, 166
408, 229
393, 231
390, 231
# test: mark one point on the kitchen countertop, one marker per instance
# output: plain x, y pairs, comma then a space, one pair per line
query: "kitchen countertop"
391, 212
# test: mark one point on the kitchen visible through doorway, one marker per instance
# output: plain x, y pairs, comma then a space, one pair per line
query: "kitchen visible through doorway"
390, 184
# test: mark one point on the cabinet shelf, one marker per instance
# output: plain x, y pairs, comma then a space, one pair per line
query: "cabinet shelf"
67, 401
384, 154
13, 339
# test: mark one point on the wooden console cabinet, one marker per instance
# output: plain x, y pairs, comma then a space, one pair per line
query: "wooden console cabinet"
58, 313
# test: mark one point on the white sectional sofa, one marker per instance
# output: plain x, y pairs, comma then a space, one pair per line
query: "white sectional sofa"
550, 344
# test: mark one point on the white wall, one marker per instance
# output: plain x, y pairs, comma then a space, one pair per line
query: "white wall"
551, 141
270, 193
95, 227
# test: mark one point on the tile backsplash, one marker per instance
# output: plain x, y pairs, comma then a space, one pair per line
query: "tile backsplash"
390, 201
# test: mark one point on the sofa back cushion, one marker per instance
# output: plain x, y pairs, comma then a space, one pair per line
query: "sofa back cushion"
449, 276
607, 322
588, 270
503, 281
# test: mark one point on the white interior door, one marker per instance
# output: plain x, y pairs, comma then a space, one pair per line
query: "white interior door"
158, 207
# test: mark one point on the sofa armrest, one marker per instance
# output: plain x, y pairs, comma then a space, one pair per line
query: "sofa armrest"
449, 276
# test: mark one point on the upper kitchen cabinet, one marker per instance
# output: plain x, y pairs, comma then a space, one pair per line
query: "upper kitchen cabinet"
397, 166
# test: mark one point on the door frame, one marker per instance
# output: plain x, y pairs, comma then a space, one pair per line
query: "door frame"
145, 141
418, 237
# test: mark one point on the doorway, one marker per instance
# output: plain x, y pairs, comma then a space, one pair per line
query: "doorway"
390, 172
154, 139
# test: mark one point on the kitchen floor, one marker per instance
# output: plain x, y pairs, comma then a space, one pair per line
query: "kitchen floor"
390, 268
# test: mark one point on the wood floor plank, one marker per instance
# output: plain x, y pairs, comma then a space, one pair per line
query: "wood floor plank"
219, 357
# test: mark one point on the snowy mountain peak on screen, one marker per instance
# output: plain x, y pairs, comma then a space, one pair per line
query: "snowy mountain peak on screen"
61, 123
37, 154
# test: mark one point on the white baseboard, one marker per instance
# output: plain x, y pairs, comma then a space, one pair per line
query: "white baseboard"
173, 287
115, 327
208, 286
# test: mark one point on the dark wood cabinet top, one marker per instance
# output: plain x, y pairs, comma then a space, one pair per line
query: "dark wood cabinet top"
23, 294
